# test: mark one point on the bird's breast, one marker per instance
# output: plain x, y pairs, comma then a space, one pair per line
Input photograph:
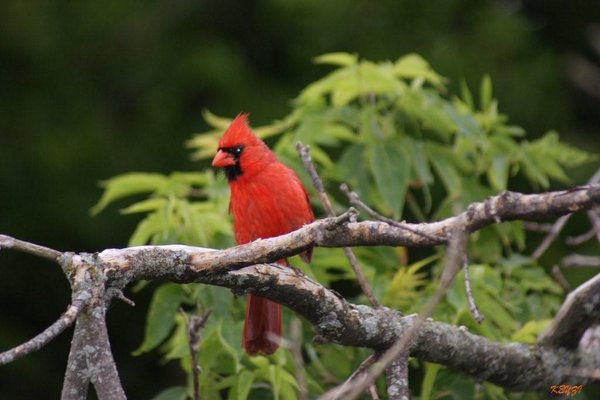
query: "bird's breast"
270, 204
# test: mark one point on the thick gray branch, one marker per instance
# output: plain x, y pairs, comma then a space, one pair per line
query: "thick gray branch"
91, 361
357, 325
90, 358
581, 308
341, 231
396, 375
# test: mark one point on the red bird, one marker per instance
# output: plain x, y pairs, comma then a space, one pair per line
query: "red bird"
267, 200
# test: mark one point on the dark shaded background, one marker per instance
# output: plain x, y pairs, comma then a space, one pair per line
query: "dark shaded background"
89, 90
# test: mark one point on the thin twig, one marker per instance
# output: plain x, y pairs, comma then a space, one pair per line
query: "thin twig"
30, 248
592, 214
580, 260
295, 347
595, 178
356, 375
325, 375
193, 327
304, 153
357, 202
373, 392
560, 223
579, 239
469, 291
551, 236
595, 220
119, 295
541, 227
560, 278
46, 336
454, 257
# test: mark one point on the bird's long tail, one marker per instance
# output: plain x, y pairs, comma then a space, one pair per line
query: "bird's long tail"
262, 326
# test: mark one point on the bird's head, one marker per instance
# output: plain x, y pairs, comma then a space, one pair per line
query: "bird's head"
240, 151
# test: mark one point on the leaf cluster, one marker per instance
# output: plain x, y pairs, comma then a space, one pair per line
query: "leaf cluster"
411, 150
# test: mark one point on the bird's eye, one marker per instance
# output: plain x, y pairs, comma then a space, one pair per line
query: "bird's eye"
236, 150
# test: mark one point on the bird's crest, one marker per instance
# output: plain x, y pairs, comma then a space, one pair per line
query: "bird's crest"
238, 133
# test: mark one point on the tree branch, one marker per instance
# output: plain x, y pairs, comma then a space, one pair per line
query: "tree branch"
579, 310
193, 327
46, 336
304, 153
454, 257
98, 277
397, 378
90, 357
580, 260
8, 242
339, 232
354, 325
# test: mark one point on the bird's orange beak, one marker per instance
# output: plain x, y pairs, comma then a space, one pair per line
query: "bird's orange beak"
222, 159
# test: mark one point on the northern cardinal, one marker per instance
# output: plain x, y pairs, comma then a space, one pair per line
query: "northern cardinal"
267, 200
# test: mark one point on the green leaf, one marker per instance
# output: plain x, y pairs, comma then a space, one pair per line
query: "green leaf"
150, 226
431, 371
204, 144
413, 66
172, 393
343, 79
544, 158
466, 95
495, 311
403, 288
485, 245
191, 178
214, 347
378, 79
533, 173
430, 110
485, 95
530, 331
536, 279
337, 132
442, 162
420, 163
215, 121
241, 388
161, 316
466, 125
498, 173
390, 168
151, 204
126, 185
352, 167
177, 346
345, 92
339, 58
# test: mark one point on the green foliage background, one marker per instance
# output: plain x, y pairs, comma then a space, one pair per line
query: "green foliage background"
92, 90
